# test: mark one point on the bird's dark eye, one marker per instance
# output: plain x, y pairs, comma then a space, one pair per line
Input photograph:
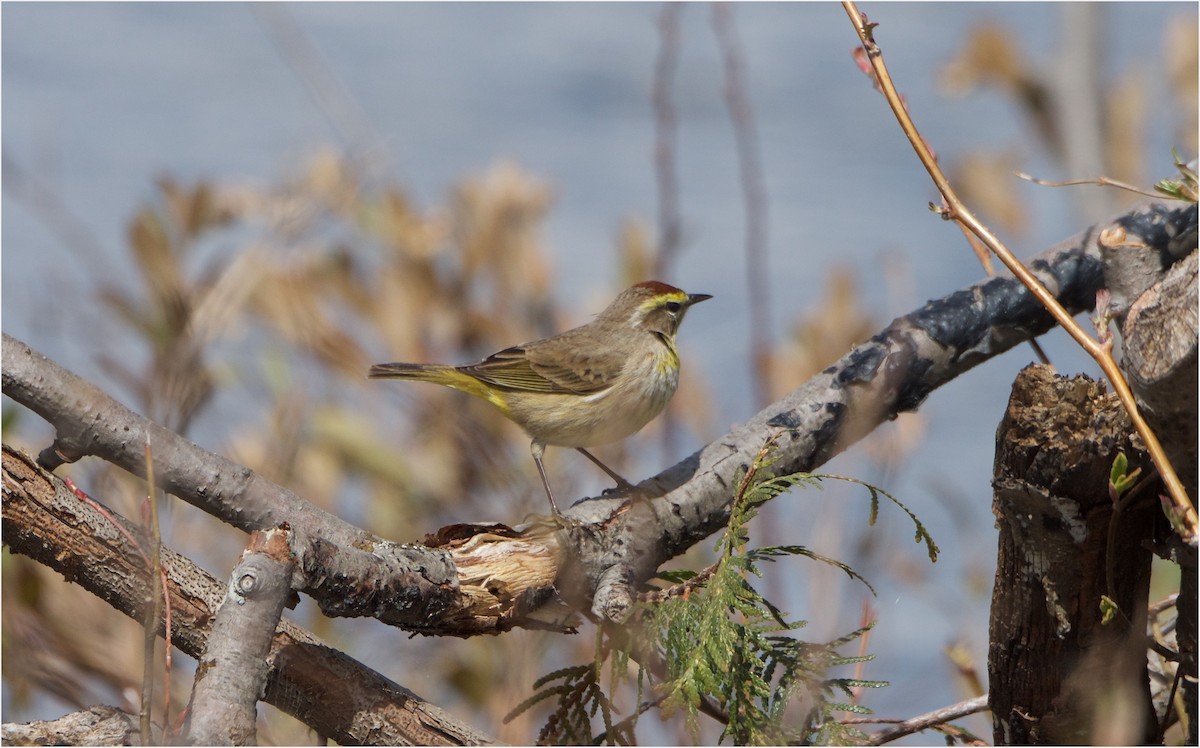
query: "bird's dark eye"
673, 307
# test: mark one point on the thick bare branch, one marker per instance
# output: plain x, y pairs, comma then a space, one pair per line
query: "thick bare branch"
892, 373
98, 725
329, 691
348, 571
233, 671
418, 588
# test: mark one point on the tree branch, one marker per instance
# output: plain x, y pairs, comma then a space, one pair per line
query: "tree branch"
892, 373
616, 545
330, 692
97, 725
1184, 519
348, 571
934, 720
233, 672
754, 196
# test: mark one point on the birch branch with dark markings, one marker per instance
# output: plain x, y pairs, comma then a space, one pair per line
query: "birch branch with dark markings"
893, 372
617, 545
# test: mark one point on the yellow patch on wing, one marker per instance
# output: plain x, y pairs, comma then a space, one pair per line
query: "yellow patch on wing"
512, 369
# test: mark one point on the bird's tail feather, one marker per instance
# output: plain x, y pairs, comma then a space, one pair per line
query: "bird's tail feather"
439, 373
448, 376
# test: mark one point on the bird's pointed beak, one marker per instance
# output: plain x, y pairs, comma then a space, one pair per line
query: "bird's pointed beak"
696, 298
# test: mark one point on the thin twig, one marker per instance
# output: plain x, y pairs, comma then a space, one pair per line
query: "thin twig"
669, 230
162, 598
664, 139
1169, 659
629, 721
1166, 603
152, 563
930, 720
50, 208
1180, 508
331, 95
1172, 696
754, 193
862, 60
865, 624
166, 593
1101, 181
681, 589
1114, 524
154, 612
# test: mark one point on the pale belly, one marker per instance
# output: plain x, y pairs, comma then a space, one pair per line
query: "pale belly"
602, 418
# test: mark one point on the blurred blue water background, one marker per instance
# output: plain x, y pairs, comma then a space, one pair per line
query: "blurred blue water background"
100, 99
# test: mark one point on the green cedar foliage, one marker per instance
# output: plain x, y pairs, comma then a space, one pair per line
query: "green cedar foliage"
712, 644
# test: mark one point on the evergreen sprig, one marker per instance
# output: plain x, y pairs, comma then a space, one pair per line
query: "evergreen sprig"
713, 643
730, 642
579, 697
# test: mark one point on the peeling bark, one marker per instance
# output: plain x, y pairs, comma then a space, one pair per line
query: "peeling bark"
99, 725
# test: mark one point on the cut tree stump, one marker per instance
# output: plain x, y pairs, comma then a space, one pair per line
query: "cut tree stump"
1057, 674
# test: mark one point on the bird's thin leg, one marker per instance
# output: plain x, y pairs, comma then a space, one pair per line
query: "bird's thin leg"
538, 450
621, 482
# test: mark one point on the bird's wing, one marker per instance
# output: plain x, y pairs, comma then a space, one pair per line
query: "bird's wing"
554, 370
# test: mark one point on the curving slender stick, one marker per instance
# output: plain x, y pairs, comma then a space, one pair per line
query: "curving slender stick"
935, 720
1180, 509
754, 197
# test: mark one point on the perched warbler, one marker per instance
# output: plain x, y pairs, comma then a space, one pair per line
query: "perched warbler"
588, 386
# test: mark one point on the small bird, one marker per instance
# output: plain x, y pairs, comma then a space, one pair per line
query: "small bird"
591, 385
